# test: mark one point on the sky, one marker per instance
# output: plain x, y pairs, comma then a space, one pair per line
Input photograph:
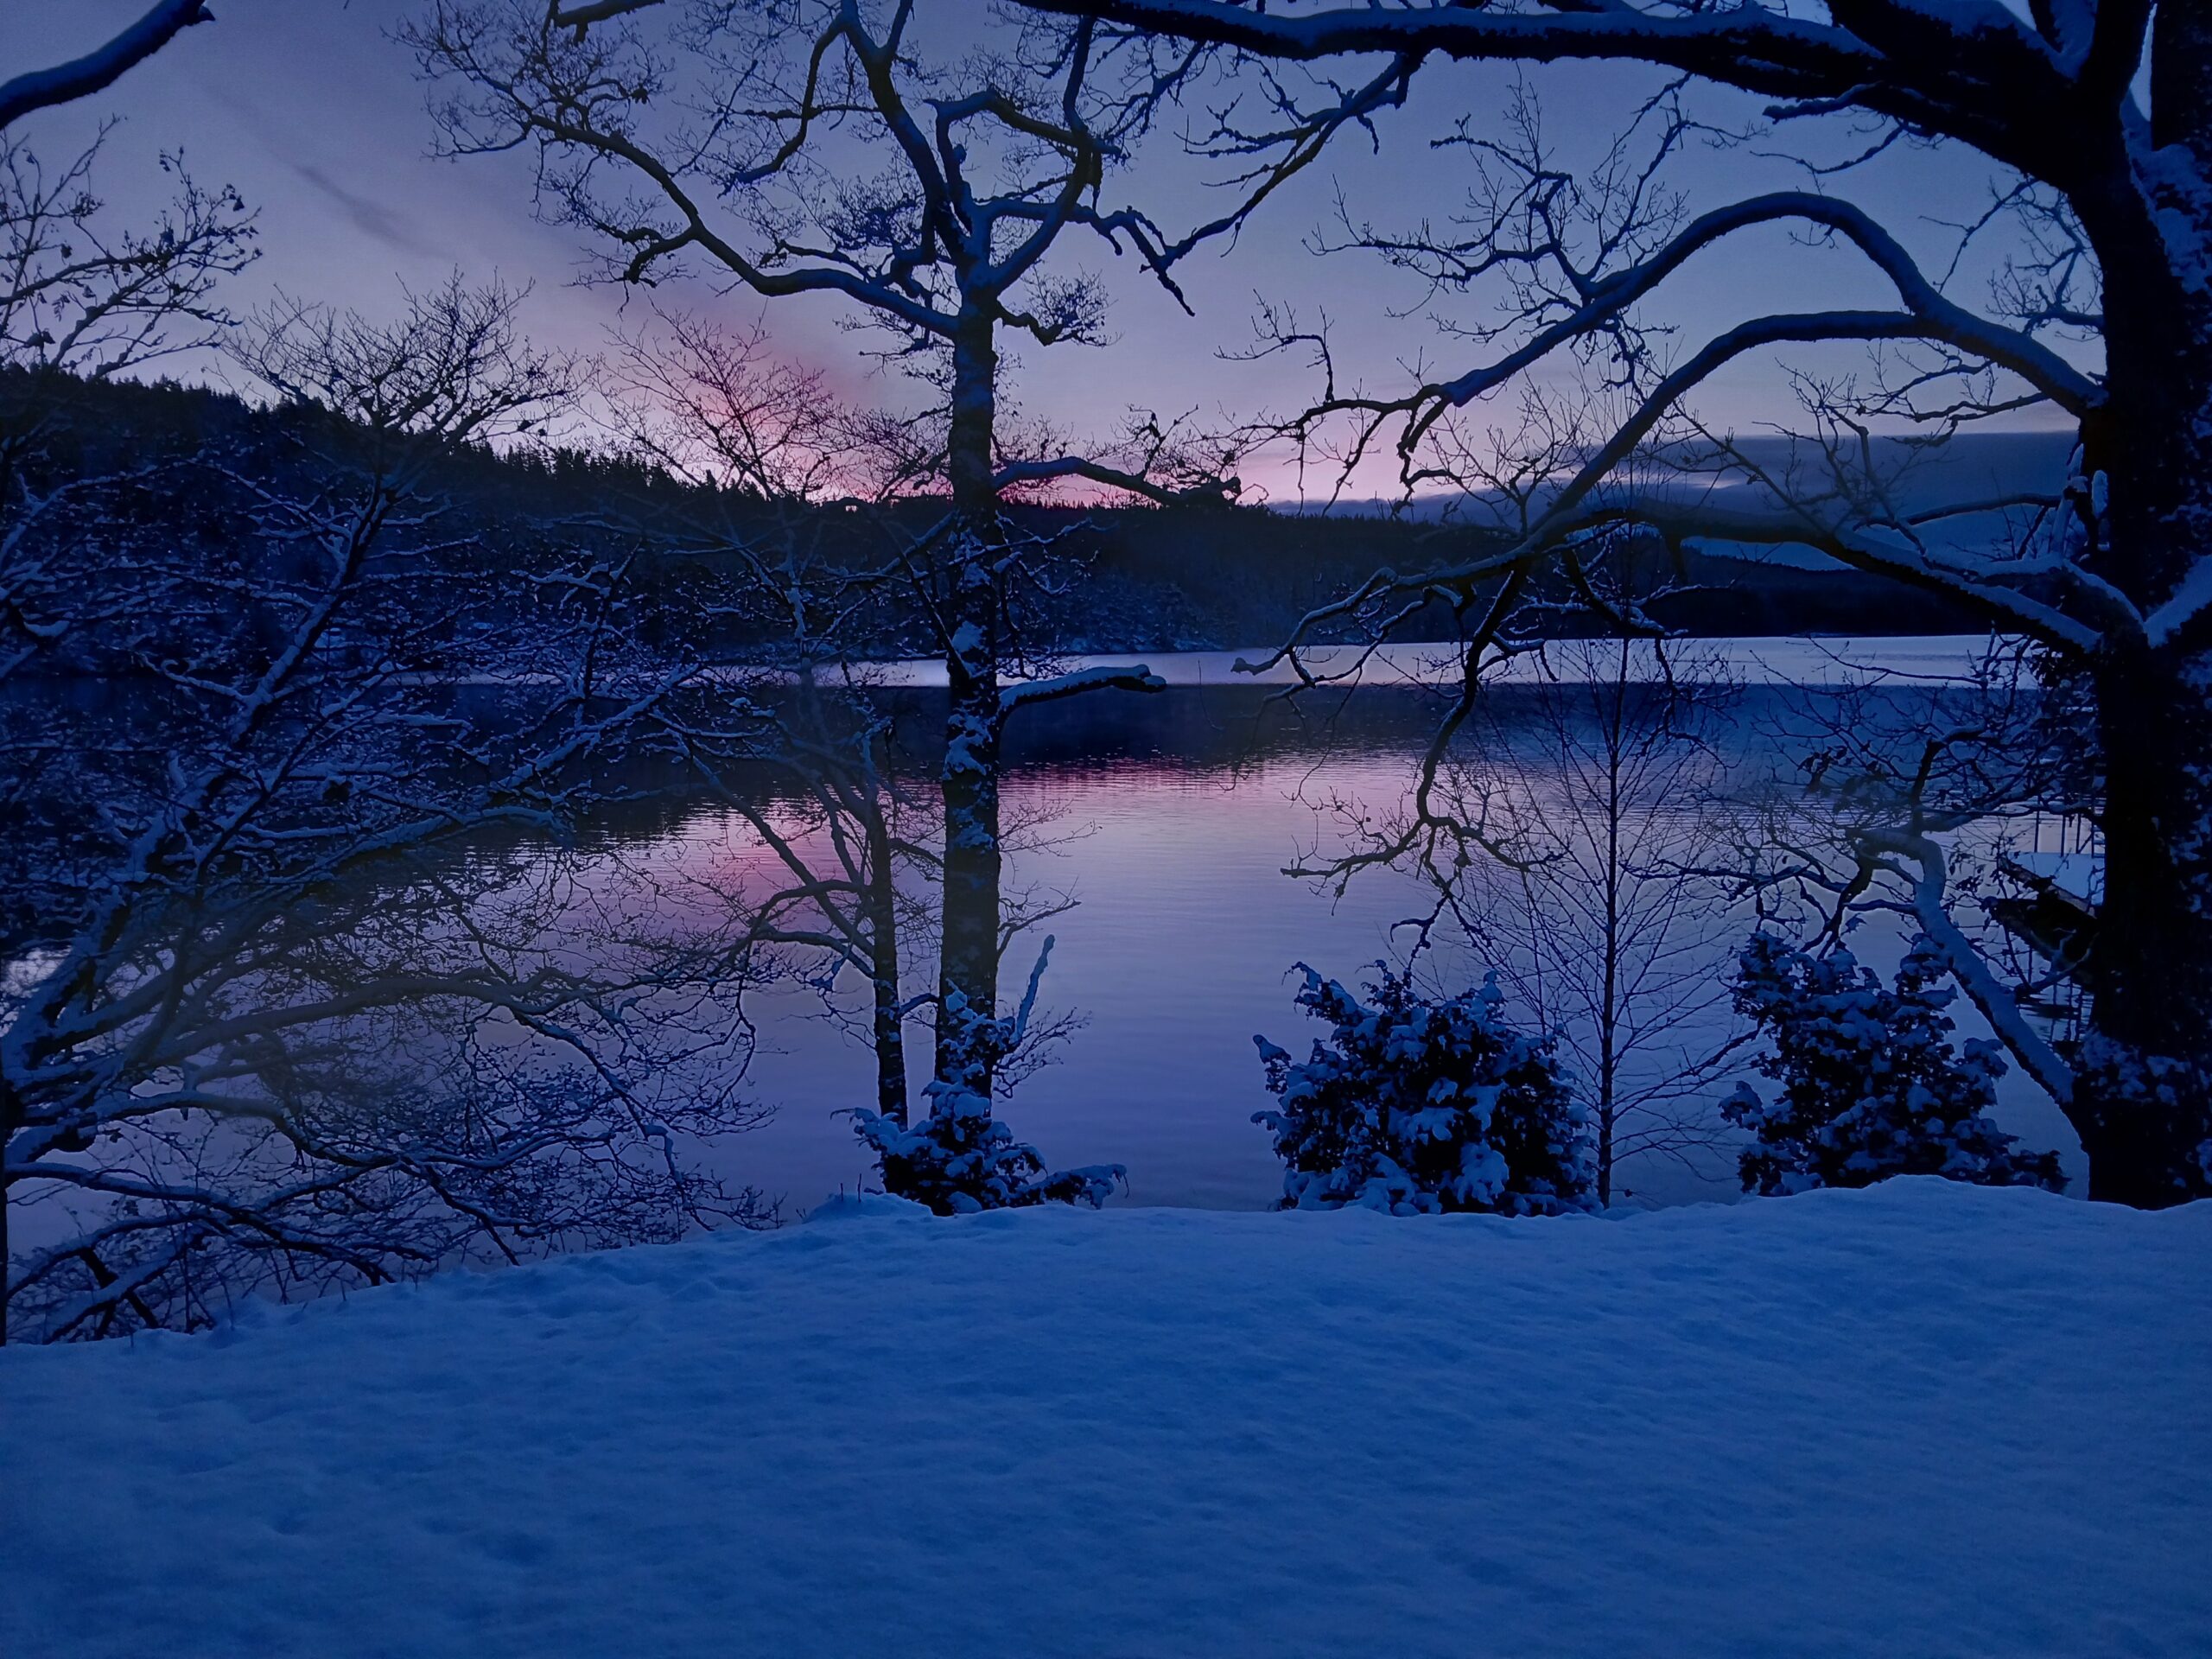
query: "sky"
315, 114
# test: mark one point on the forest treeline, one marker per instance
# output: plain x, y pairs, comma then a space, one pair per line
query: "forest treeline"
1177, 577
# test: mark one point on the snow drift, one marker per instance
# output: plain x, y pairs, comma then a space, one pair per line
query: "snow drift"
1921, 1418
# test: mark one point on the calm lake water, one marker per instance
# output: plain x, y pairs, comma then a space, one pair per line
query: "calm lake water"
1169, 820
1174, 817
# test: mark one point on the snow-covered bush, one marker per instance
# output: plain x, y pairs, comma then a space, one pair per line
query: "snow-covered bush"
1871, 1085
960, 1158
1415, 1105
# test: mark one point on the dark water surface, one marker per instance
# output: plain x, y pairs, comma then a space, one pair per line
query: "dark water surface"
1172, 818
1168, 820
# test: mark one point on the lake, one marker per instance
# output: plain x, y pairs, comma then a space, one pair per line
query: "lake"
1165, 823
1171, 819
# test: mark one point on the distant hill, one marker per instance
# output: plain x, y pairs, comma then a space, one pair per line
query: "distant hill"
1971, 467
1195, 577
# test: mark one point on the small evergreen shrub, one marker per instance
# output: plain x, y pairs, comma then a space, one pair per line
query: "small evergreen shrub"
1415, 1105
1871, 1085
960, 1158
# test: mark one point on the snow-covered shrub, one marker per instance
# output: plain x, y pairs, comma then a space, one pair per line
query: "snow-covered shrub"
960, 1158
1415, 1105
1871, 1085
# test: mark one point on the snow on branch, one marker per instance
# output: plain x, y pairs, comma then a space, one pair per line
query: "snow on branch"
104, 66
1993, 999
1030, 692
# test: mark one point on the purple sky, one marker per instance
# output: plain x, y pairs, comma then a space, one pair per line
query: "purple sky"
315, 115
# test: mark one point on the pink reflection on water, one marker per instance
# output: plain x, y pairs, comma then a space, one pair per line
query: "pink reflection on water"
1179, 951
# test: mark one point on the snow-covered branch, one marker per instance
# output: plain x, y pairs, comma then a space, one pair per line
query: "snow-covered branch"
1028, 692
104, 65
293, 1009
1996, 1000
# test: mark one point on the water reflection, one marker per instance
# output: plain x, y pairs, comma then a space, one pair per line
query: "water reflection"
1170, 819
1175, 817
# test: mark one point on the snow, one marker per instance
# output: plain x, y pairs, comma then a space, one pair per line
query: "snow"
1779, 659
1919, 1419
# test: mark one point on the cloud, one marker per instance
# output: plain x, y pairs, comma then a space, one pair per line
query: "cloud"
372, 217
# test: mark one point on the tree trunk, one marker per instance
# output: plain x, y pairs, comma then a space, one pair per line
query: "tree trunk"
2143, 1079
967, 965
1609, 1009
2143, 1090
889, 1031
12, 1118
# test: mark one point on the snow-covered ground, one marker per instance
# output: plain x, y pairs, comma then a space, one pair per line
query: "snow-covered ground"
1920, 1420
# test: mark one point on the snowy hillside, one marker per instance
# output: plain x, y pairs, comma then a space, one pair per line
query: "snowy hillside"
1919, 1419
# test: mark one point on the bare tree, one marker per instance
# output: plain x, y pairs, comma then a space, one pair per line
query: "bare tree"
810, 147
799, 527
1564, 819
1605, 781
786, 522
291, 1018
1919, 803
80, 297
2111, 208
80, 302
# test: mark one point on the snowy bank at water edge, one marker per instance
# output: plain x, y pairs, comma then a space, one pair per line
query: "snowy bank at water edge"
1922, 1420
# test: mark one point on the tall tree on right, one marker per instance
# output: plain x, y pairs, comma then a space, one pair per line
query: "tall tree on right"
2103, 314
